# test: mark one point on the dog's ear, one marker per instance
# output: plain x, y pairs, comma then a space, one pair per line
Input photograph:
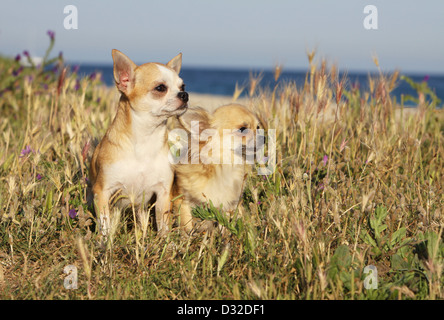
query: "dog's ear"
176, 63
123, 72
195, 114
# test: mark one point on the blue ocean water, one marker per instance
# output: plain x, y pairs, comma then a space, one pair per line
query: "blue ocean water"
223, 81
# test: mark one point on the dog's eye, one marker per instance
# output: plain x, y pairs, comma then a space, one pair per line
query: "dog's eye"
257, 128
161, 88
182, 88
242, 129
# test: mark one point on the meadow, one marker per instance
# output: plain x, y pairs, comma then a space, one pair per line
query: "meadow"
361, 187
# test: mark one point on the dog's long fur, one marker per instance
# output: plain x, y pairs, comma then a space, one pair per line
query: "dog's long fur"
221, 183
133, 154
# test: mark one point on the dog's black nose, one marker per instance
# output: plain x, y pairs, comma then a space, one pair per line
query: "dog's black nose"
183, 96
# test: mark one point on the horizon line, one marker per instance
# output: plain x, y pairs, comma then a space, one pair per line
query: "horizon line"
271, 69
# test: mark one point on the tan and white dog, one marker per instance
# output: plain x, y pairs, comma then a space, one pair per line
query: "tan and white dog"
133, 154
215, 168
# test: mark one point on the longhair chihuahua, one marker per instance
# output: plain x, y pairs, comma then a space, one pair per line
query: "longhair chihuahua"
133, 154
214, 166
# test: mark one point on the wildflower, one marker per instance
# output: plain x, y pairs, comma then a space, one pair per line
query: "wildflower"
51, 34
18, 57
426, 78
325, 160
38, 177
15, 73
72, 213
77, 85
75, 68
26, 53
26, 151
92, 76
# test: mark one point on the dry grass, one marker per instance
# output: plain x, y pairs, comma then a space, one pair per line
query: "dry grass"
350, 190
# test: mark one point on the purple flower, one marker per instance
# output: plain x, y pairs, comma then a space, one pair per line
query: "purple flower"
15, 73
325, 160
75, 68
92, 76
77, 85
26, 53
426, 78
38, 177
72, 213
51, 34
18, 57
26, 151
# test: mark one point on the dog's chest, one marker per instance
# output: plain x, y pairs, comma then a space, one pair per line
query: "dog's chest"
225, 188
141, 173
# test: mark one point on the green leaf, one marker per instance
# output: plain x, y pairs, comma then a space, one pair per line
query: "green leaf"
433, 243
367, 238
397, 237
222, 259
376, 222
340, 261
398, 263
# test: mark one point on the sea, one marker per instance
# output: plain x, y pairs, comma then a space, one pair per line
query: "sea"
223, 81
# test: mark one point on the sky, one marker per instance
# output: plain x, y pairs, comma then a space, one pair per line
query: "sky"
233, 33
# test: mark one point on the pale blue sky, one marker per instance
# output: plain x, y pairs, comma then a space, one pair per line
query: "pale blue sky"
233, 33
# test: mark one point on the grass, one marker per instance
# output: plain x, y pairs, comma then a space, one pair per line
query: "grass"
364, 188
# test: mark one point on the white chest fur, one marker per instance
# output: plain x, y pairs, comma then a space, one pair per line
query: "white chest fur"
142, 169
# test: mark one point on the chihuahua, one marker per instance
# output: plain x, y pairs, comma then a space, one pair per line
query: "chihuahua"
214, 166
133, 155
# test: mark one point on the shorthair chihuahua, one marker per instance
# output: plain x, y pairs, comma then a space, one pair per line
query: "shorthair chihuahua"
133, 154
